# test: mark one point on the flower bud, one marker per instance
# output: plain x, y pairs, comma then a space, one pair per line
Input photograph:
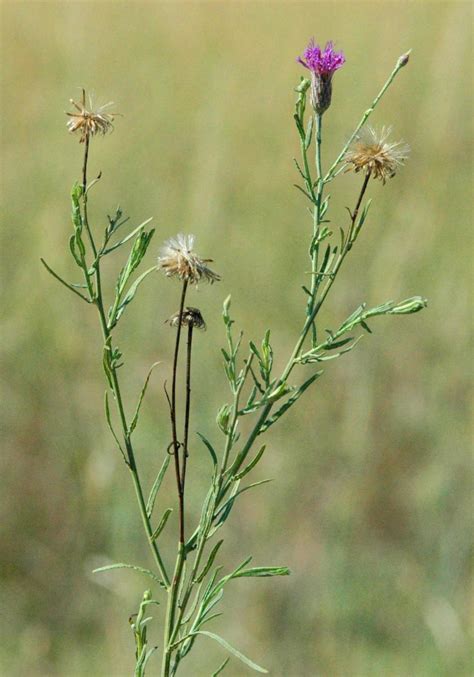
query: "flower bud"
404, 59
223, 418
411, 305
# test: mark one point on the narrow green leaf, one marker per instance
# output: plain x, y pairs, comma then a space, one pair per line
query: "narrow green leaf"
130, 295
254, 349
140, 399
262, 572
122, 565
75, 255
109, 422
299, 126
302, 190
290, 401
309, 133
225, 509
161, 525
251, 465
128, 237
303, 176
210, 449
219, 586
156, 486
209, 563
70, 286
135, 257
220, 668
333, 345
232, 650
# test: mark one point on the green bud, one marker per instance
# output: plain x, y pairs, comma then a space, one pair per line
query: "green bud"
223, 417
403, 60
411, 305
280, 391
303, 86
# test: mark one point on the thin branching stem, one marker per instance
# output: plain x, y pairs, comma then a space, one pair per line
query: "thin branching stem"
307, 325
106, 333
176, 444
332, 171
188, 404
180, 471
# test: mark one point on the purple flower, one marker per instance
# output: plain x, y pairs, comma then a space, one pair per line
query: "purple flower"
322, 62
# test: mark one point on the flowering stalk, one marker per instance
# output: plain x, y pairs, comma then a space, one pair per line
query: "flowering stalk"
256, 392
107, 336
333, 171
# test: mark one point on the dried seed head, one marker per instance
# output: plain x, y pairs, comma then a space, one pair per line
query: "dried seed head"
177, 259
191, 317
90, 122
373, 153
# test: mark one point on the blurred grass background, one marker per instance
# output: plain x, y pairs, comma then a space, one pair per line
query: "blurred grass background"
372, 506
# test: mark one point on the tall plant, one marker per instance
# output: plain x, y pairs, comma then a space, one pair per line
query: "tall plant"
195, 585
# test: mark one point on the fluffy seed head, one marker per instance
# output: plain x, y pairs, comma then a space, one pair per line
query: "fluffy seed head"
90, 121
375, 154
177, 259
190, 317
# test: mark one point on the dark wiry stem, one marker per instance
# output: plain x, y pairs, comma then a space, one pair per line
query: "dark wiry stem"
178, 469
188, 403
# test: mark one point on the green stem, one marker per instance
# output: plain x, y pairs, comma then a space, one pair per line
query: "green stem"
307, 325
171, 610
316, 219
107, 336
332, 170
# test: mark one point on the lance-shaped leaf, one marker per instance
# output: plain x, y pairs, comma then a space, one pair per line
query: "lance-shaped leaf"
134, 422
71, 286
122, 565
161, 525
361, 220
210, 448
120, 304
224, 510
262, 572
309, 133
232, 650
251, 465
289, 402
137, 253
209, 563
220, 668
128, 237
156, 486
111, 428
316, 356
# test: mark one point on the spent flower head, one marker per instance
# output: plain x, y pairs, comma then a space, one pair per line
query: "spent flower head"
375, 154
191, 317
95, 120
322, 63
177, 259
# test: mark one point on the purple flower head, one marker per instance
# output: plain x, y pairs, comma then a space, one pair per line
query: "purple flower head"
322, 62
